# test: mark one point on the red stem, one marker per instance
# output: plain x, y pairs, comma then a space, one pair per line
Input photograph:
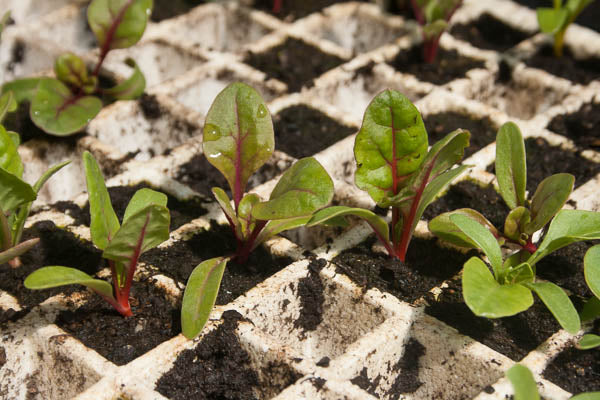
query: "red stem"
110, 33
242, 254
276, 6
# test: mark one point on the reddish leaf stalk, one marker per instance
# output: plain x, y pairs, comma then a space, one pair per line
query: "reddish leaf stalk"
395, 211
242, 253
277, 6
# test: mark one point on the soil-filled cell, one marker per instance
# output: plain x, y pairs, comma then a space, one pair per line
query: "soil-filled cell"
488, 32
581, 126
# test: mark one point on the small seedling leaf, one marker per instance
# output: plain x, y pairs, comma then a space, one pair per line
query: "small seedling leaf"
13, 191
130, 89
118, 24
48, 174
7, 104
482, 237
238, 135
225, 204
10, 160
391, 145
53, 276
486, 297
523, 383
522, 273
589, 341
591, 309
442, 227
511, 170
17, 250
301, 190
71, 70
377, 223
568, 226
200, 295
591, 269
551, 20
559, 305
586, 396
515, 222
141, 231
550, 196
59, 112
104, 222
247, 222
143, 198
23, 89
273, 227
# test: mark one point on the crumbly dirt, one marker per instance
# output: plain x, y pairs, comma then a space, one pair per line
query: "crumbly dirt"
448, 65
293, 62
150, 106
179, 260
302, 131
468, 194
582, 126
310, 293
488, 32
579, 71
121, 340
512, 336
164, 9
544, 160
427, 265
483, 131
56, 247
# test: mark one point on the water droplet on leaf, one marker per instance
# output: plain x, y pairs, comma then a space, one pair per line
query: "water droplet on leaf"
262, 111
211, 132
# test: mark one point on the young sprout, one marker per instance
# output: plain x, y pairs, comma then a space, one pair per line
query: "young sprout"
238, 139
395, 168
433, 16
556, 20
145, 226
591, 309
523, 383
64, 105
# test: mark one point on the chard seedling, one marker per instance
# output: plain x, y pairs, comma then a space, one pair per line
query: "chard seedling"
525, 216
145, 226
16, 195
433, 16
238, 139
555, 21
591, 309
395, 168
64, 105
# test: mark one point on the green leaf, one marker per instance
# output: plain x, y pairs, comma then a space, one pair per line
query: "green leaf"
575, 7
378, 224
550, 196
487, 298
274, 227
391, 144
17, 250
521, 273
118, 24
9, 155
200, 295
143, 198
130, 89
442, 227
301, 190
71, 70
511, 170
13, 191
589, 341
552, 20
482, 237
141, 231
559, 305
247, 222
591, 269
569, 226
53, 276
515, 222
225, 204
238, 135
48, 174
59, 112
591, 310
7, 104
435, 28
104, 222
23, 89
587, 396
523, 383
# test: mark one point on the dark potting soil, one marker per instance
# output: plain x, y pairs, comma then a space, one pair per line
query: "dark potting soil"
164, 9
544, 160
483, 131
590, 17
17, 54
302, 131
582, 126
121, 340
579, 71
512, 336
180, 259
565, 268
467, 194
293, 62
448, 65
407, 369
56, 247
150, 106
218, 368
427, 265
576, 370
291, 10
181, 212
310, 292
488, 32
